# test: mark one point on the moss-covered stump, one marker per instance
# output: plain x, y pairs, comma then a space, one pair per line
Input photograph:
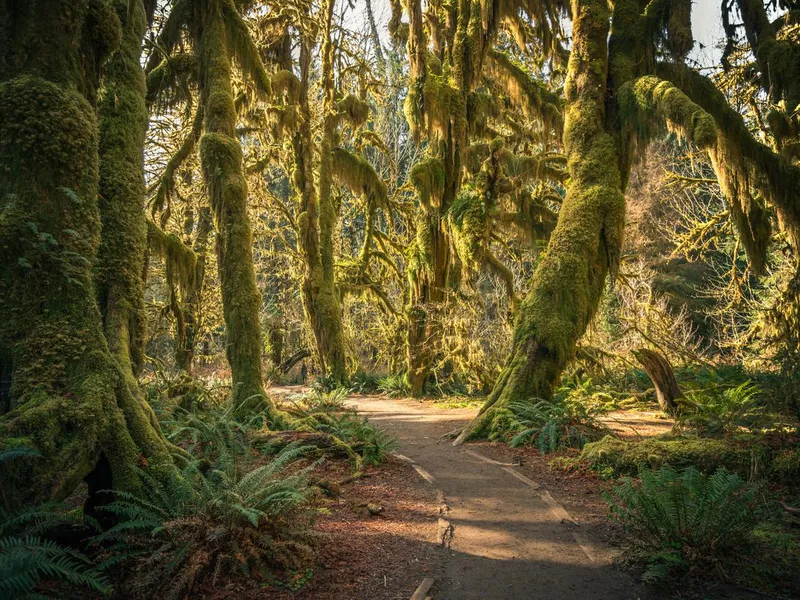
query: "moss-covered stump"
617, 457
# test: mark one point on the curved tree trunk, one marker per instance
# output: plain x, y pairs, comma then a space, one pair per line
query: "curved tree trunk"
586, 243
661, 374
192, 306
223, 173
71, 397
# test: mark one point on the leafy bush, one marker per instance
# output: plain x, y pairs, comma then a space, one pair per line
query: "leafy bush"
715, 410
394, 386
553, 424
319, 401
364, 383
678, 520
200, 526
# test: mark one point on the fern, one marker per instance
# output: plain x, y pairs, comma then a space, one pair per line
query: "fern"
716, 410
552, 424
678, 519
204, 523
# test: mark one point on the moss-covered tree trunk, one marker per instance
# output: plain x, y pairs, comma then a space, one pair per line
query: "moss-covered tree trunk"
318, 215
586, 242
192, 304
223, 173
123, 125
70, 397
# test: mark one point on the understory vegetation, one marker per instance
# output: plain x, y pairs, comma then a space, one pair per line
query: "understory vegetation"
221, 218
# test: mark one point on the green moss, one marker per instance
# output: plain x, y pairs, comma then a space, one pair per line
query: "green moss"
358, 175
428, 177
785, 466
223, 174
626, 458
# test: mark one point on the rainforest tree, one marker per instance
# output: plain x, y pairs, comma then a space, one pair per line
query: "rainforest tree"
218, 36
71, 396
626, 77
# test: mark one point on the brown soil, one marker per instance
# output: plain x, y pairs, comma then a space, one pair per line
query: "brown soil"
361, 556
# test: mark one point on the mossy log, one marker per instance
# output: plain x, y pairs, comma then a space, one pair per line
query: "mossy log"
70, 397
619, 457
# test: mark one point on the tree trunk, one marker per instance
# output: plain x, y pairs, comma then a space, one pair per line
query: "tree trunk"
192, 309
586, 243
318, 217
661, 374
223, 173
70, 397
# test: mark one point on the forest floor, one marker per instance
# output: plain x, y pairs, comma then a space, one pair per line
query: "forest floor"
501, 524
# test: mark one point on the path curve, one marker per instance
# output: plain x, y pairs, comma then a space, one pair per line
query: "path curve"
509, 540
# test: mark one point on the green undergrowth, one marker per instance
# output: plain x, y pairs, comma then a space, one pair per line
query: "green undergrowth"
564, 421
674, 521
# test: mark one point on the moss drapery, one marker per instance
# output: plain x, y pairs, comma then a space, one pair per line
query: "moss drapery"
71, 390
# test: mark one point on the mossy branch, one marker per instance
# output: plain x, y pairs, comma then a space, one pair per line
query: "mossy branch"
166, 184
525, 93
359, 176
180, 259
169, 84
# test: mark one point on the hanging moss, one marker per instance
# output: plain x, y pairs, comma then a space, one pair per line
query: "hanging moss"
525, 92
359, 176
286, 83
170, 83
180, 260
469, 219
427, 176
352, 110
745, 168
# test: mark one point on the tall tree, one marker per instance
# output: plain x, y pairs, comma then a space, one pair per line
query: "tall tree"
620, 89
448, 46
71, 395
219, 35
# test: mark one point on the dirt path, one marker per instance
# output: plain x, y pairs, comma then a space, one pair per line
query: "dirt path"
510, 540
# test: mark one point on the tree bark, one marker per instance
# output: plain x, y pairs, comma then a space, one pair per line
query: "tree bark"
71, 397
223, 174
586, 243
661, 374
318, 215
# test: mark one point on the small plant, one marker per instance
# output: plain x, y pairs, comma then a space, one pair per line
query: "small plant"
204, 524
364, 383
679, 520
718, 411
394, 386
553, 424
361, 440
318, 401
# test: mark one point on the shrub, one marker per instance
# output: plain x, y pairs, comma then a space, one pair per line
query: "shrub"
198, 526
364, 383
716, 411
394, 386
682, 520
552, 424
